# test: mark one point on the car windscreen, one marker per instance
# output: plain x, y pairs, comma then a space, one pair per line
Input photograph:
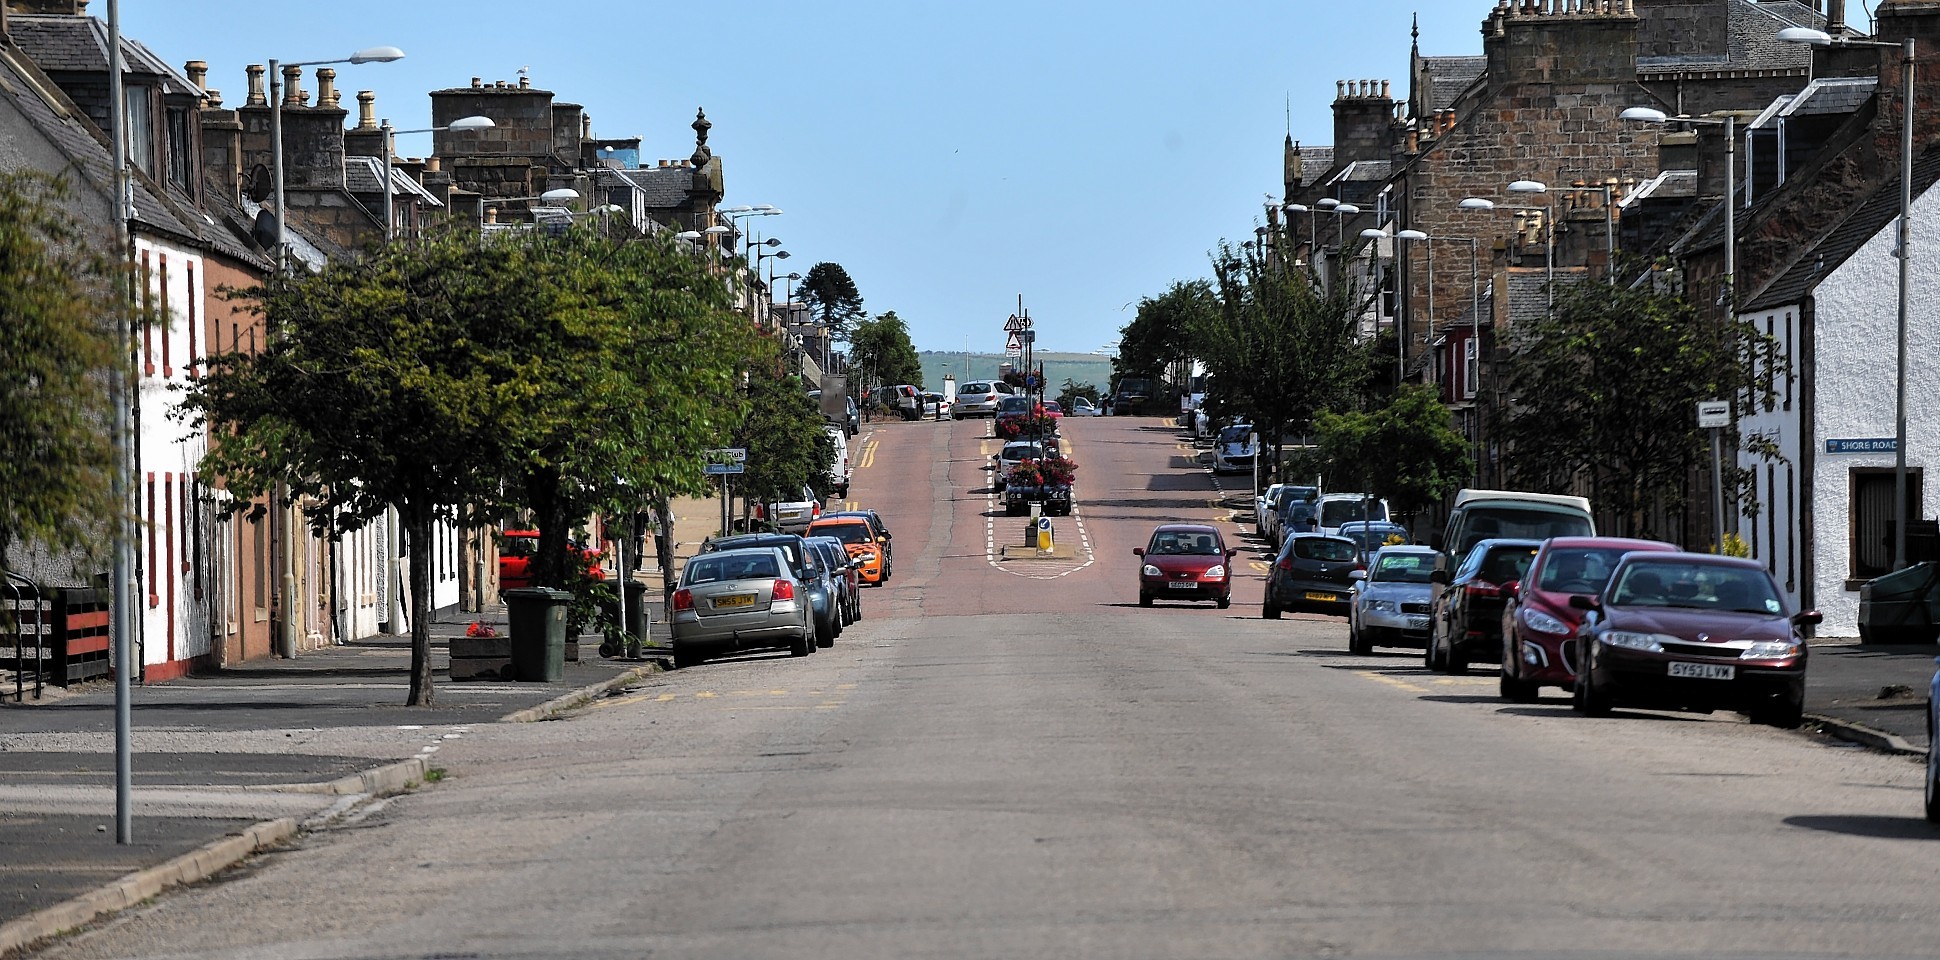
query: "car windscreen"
1333, 513
1489, 523
1372, 535
850, 533
720, 567
1014, 405
1578, 569
1702, 586
1234, 434
1023, 451
1323, 548
1403, 568
1183, 543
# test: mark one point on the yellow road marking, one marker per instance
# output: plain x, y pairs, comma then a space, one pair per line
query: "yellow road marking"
1465, 681
1395, 682
868, 456
706, 695
1260, 566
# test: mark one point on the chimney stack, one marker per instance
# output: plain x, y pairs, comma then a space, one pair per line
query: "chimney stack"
256, 97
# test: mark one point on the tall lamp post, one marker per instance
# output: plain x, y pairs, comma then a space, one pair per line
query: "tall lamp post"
1401, 237
1908, 51
460, 124
368, 55
1729, 295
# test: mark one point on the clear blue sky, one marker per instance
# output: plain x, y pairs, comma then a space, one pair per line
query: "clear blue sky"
950, 156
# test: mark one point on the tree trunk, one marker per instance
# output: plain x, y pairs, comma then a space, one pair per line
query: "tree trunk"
663, 548
418, 542
549, 566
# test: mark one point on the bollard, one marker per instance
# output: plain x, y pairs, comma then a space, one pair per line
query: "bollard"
1045, 540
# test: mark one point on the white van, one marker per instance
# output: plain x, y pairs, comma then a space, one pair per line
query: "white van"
1338, 508
839, 463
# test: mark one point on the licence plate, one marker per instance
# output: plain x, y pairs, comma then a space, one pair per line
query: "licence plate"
1322, 597
1183, 585
736, 600
1418, 621
1704, 671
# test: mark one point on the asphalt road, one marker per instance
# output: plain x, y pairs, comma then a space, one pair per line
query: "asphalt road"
1014, 760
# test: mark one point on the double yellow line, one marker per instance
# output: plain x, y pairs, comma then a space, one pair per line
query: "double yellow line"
868, 458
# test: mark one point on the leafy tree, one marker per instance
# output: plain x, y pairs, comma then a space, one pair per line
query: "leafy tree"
61, 294
1160, 335
1279, 348
1604, 387
1073, 390
882, 350
1407, 453
831, 298
787, 447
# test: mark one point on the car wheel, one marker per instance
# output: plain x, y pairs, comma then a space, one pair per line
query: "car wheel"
804, 642
1357, 642
1225, 602
1144, 599
1514, 688
1431, 655
1454, 662
1268, 611
1785, 713
1586, 698
825, 634
684, 659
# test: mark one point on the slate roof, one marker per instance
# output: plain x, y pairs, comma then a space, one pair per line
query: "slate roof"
661, 188
1753, 43
1364, 171
1529, 291
1669, 185
63, 44
364, 174
1846, 234
1315, 162
1450, 77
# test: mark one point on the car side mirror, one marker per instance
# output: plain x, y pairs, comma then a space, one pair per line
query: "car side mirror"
1138, 551
1812, 617
1231, 553
1439, 578
1581, 602
1358, 575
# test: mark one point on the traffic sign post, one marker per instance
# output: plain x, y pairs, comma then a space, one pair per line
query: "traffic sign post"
1715, 415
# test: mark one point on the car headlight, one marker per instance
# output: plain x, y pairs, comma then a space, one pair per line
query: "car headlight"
1544, 623
1647, 642
1772, 650
1383, 606
1215, 571
1152, 571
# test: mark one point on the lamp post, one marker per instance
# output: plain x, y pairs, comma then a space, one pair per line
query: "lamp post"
1401, 296
1729, 295
1312, 240
369, 55
460, 124
1609, 217
1908, 51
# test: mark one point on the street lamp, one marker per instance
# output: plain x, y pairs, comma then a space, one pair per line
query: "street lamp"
1729, 296
461, 124
1609, 217
1908, 51
368, 55
1312, 240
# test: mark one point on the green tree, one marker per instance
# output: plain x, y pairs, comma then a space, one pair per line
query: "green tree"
882, 350
1160, 334
61, 294
832, 299
1072, 390
787, 447
1603, 390
1279, 348
1407, 453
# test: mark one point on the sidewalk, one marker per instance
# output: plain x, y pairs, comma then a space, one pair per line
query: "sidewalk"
254, 750
1877, 687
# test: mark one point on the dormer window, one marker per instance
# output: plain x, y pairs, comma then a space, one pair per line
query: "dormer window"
181, 149
141, 128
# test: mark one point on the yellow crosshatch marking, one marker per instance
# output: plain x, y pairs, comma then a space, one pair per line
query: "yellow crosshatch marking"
1260, 565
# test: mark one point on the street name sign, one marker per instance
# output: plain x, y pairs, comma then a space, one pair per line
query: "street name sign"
1867, 445
723, 469
1713, 414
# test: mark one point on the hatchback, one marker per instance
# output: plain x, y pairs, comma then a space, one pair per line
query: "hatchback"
1539, 625
791, 516
978, 398
1312, 570
1392, 600
1083, 407
858, 540
1693, 631
735, 600
879, 528
1014, 453
1467, 619
1185, 561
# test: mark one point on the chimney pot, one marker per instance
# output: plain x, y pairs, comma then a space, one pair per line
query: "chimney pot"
366, 110
525, 83
1384, 89
256, 97
212, 99
431, 164
293, 95
477, 82
327, 87
198, 71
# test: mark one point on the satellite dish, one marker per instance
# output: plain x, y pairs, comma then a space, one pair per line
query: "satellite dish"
259, 185
264, 230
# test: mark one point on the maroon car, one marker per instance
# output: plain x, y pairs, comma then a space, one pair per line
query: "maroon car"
1185, 561
1693, 631
1539, 625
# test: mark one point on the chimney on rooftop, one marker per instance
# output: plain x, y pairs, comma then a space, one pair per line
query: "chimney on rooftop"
256, 97
327, 87
366, 110
293, 86
198, 71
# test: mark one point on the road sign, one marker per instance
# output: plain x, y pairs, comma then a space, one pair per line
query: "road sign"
1713, 414
1016, 323
722, 469
728, 455
1014, 344
1028, 336
1871, 445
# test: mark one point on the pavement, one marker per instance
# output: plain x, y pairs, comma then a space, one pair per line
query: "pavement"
1875, 694
226, 764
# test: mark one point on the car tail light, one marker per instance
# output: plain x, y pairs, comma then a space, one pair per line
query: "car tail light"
1286, 564
683, 600
815, 510
784, 590
1482, 588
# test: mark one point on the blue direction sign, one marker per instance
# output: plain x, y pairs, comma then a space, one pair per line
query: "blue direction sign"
1874, 445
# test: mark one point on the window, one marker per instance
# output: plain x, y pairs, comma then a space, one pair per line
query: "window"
1471, 363
181, 146
141, 129
1871, 525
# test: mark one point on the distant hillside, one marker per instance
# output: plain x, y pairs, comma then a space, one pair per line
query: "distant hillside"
1081, 367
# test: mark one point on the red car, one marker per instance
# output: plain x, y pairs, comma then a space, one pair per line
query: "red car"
1185, 561
516, 550
1539, 625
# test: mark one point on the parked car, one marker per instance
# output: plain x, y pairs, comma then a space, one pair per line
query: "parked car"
1372, 535
1467, 618
734, 600
978, 398
1013, 453
1391, 600
851, 422
846, 572
839, 468
1015, 406
1312, 571
1083, 407
935, 406
1335, 509
1185, 561
880, 529
518, 548
1933, 749
1488, 514
1539, 625
1275, 511
1236, 449
1263, 505
902, 398
1693, 631
1128, 398
791, 516
1297, 515
859, 541
818, 586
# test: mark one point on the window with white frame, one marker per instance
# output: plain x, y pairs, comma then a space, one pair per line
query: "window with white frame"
1471, 365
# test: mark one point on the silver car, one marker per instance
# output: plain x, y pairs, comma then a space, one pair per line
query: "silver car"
1391, 600
978, 398
736, 600
793, 516
1014, 453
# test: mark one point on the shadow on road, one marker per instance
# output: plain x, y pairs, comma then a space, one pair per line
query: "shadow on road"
1884, 828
